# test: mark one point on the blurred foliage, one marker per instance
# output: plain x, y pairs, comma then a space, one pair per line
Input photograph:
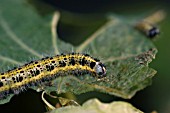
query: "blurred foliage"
95, 106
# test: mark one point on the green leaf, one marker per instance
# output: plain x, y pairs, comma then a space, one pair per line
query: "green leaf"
95, 106
25, 34
126, 54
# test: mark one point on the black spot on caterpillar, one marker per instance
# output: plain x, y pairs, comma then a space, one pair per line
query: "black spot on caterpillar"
37, 72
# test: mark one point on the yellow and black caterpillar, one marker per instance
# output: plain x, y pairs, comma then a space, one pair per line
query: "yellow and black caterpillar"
36, 72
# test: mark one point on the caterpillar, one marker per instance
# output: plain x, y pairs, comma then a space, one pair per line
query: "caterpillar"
150, 30
46, 69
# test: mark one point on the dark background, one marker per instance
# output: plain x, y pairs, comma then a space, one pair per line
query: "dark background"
81, 18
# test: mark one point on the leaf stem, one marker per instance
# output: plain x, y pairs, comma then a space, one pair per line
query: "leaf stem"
111, 59
10, 60
54, 24
94, 35
51, 107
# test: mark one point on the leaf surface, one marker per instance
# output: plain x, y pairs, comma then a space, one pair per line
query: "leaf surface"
26, 35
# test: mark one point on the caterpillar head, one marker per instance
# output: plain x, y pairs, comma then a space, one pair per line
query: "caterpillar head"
100, 69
